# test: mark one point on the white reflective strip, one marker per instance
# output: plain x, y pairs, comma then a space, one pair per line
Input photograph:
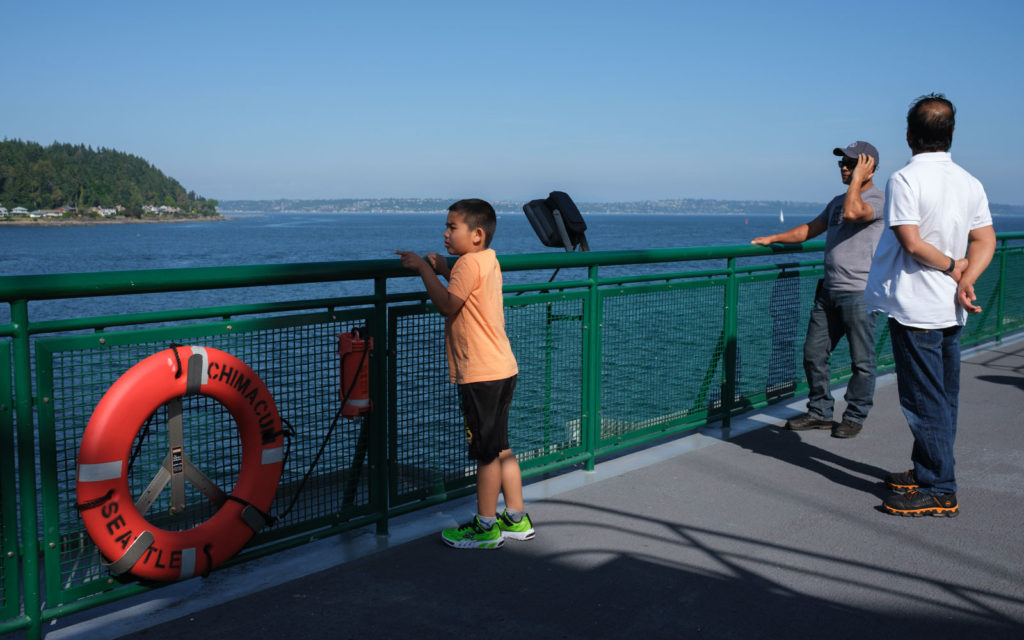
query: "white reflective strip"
188, 563
100, 471
273, 456
201, 351
358, 403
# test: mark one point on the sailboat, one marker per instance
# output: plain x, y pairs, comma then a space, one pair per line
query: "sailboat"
782, 218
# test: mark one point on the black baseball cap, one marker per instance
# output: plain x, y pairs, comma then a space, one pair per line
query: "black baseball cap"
857, 148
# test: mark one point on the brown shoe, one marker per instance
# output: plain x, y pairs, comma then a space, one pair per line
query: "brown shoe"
806, 421
846, 429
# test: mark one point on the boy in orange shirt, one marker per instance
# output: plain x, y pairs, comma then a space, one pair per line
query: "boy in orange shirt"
481, 362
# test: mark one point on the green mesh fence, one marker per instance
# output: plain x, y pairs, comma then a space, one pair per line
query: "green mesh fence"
426, 439
772, 322
661, 353
546, 333
985, 323
1013, 292
601, 368
999, 291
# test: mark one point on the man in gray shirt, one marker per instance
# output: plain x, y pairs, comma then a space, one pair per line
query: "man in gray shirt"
853, 224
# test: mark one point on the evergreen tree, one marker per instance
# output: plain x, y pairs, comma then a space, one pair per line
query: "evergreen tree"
37, 177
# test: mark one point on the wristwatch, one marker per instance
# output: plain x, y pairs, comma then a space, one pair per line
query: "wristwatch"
952, 265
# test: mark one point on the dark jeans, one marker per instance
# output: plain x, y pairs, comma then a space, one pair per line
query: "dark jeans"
835, 314
928, 379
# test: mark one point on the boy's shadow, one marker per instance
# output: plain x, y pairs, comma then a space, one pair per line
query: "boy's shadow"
787, 446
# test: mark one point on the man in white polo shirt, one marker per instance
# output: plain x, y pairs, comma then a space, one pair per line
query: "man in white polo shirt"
936, 213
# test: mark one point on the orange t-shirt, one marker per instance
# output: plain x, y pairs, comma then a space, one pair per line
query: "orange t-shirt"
475, 342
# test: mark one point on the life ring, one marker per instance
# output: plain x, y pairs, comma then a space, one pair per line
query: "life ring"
128, 542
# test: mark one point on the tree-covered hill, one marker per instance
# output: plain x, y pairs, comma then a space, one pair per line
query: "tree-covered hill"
80, 178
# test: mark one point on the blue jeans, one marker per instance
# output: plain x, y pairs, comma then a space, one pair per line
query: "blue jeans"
835, 314
928, 379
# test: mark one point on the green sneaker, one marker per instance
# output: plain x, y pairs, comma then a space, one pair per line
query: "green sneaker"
522, 530
472, 535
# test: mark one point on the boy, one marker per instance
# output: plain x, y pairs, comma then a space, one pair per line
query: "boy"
481, 362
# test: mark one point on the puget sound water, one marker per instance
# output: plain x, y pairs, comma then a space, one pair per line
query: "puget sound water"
280, 238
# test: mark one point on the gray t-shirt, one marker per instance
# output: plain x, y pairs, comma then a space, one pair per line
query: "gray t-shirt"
850, 245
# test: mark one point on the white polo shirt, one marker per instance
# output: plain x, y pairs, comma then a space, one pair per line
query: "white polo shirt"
945, 203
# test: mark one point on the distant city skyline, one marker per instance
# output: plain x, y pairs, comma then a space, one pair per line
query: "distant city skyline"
609, 101
437, 205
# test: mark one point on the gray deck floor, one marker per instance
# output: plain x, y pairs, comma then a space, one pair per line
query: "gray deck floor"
766, 533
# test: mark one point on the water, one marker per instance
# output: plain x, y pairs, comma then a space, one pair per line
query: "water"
279, 238
274, 238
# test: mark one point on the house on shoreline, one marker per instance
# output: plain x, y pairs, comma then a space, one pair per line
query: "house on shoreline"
103, 212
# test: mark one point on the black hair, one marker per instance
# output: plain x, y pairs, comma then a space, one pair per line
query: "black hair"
478, 214
930, 122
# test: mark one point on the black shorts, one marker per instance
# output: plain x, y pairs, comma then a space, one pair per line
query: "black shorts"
485, 407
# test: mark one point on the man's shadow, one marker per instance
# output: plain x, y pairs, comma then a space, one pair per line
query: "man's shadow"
787, 446
1013, 381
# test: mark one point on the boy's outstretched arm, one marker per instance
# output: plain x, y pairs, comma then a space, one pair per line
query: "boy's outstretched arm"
447, 304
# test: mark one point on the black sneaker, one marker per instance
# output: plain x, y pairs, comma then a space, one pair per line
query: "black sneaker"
900, 481
846, 429
806, 421
913, 503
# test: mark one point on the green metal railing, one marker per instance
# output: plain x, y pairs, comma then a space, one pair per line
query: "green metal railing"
629, 347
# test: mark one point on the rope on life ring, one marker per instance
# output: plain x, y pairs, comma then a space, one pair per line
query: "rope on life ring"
117, 524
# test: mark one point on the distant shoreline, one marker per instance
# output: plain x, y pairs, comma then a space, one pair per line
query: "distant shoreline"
684, 206
502, 212
70, 222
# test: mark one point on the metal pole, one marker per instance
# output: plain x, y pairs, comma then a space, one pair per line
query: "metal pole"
1001, 285
591, 396
378, 426
26, 467
730, 327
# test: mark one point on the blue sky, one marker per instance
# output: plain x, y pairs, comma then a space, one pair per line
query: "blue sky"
628, 100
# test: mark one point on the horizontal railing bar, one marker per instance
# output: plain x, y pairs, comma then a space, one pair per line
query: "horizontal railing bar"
108, 283
554, 285
226, 312
648, 256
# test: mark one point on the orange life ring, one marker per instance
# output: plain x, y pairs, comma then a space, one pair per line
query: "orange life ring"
128, 542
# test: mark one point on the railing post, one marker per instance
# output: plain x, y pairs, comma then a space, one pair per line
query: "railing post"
729, 355
379, 470
591, 418
26, 467
1001, 286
